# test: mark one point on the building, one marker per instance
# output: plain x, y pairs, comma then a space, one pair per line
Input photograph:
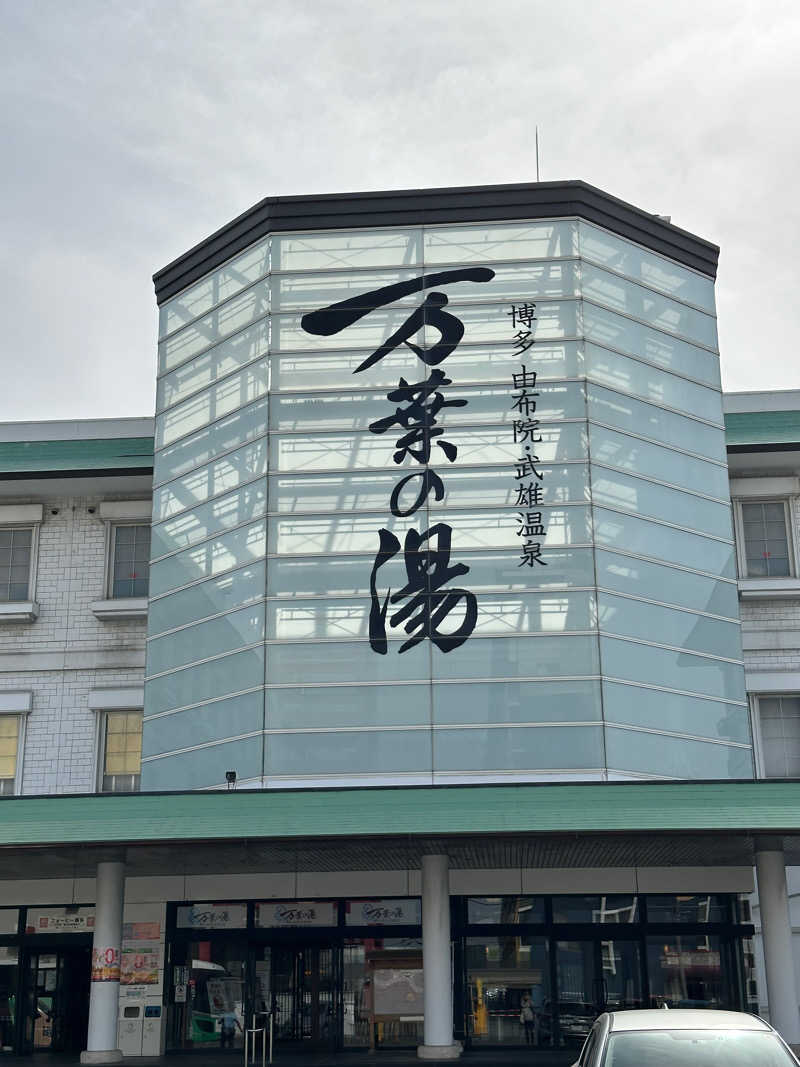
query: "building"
444, 668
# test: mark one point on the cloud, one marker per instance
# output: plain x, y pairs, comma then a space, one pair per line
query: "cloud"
132, 130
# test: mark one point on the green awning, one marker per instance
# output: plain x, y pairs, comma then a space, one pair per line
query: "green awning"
629, 807
35, 457
762, 428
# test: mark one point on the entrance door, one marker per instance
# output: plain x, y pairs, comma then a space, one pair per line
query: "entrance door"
592, 976
303, 995
57, 1000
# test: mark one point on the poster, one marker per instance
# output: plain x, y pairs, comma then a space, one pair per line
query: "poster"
105, 964
139, 965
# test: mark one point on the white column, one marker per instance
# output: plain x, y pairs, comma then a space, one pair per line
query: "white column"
776, 930
437, 971
101, 1046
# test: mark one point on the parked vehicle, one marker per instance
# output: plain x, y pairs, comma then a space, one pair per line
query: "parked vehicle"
684, 1037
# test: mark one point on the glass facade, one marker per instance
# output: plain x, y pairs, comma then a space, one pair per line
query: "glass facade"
441, 504
528, 970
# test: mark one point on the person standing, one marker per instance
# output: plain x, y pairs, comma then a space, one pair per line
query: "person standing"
527, 1017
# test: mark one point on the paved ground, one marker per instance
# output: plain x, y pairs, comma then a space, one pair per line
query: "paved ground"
482, 1058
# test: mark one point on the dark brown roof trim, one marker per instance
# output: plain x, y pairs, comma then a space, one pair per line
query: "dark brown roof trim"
477, 203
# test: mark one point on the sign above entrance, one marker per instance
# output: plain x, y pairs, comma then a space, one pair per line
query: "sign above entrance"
291, 913
66, 920
212, 917
401, 912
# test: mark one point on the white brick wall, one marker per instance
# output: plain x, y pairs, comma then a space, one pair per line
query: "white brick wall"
57, 656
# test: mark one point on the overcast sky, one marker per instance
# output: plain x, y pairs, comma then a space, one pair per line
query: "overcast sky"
131, 130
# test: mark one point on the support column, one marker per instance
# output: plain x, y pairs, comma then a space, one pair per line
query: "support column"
437, 970
101, 1046
776, 930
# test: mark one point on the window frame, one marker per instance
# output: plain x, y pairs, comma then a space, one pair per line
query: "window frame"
741, 555
111, 542
102, 730
758, 736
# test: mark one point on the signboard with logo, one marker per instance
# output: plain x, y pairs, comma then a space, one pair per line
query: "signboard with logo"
384, 912
293, 913
212, 917
66, 920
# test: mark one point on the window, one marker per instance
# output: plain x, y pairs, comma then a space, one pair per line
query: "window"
15, 563
122, 752
9, 745
766, 544
780, 735
130, 561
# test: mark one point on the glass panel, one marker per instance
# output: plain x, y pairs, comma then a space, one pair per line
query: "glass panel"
15, 556
668, 626
555, 319
204, 681
508, 991
664, 544
380, 752
243, 505
675, 712
514, 910
223, 283
314, 412
496, 614
207, 598
317, 290
335, 451
685, 971
346, 662
563, 748
343, 250
228, 632
662, 312
647, 420
567, 655
211, 722
635, 339
212, 404
470, 531
488, 570
629, 376
213, 1016
224, 474
639, 578
766, 545
468, 363
617, 908
498, 241
579, 993
622, 974
222, 553
383, 981
202, 447
205, 767
689, 908
623, 256
499, 702
223, 359
675, 757
304, 707
131, 561
9, 923
674, 670
225, 320
623, 491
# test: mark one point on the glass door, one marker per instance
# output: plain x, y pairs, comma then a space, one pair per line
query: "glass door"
303, 995
579, 990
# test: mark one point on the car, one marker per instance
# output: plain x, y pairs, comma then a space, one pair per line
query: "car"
683, 1037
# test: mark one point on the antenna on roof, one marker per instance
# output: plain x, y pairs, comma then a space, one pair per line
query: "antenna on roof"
537, 152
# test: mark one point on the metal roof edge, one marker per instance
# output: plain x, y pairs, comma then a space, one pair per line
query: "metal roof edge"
475, 203
520, 808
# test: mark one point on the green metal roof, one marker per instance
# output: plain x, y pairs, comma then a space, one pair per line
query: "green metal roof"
119, 453
762, 428
762, 806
